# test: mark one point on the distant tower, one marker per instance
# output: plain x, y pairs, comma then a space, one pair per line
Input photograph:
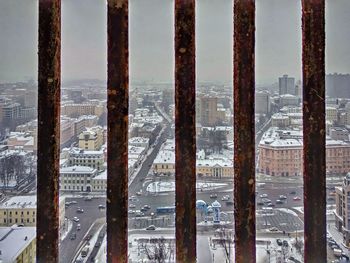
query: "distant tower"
286, 85
208, 111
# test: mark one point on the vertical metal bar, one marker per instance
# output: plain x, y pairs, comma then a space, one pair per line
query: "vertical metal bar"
185, 131
313, 24
49, 85
244, 130
117, 145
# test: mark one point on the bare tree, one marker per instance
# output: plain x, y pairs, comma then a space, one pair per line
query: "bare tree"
158, 250
226, 241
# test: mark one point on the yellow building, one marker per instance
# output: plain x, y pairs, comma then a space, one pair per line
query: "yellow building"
92, 139
17, 244
21, 210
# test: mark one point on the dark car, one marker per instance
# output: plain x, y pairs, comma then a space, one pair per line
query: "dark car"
279, 242
73, 236
88, 237
285, 243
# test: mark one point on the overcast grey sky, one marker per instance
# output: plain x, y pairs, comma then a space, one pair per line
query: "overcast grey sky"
278, 39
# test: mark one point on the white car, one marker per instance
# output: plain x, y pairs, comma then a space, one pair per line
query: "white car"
75, 219
263, 196
132, 206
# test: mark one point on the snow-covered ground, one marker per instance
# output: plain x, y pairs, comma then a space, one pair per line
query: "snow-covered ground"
64, 232
160, 187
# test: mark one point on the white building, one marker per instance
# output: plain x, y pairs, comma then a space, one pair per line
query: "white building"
80, 157
139, 142
342, 210
77, 178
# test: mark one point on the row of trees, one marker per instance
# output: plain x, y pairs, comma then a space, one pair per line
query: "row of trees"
16, 167
212, 141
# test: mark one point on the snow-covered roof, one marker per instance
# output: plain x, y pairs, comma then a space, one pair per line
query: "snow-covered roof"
13, 240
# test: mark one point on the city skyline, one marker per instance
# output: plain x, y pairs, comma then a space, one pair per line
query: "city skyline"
278, 40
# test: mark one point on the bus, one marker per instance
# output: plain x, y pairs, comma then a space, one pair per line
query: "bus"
165, 210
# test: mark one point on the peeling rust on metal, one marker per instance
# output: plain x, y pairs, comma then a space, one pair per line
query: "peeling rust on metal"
244, 131
185, 132
117, 144
313, 24
49, 83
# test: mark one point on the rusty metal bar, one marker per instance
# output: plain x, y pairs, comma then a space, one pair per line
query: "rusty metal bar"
313, 24
49, 90
244, 131
117, 145
185, 131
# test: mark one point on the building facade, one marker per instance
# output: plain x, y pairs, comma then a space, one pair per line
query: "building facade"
77, 178
286, 85
18, 244
342, 210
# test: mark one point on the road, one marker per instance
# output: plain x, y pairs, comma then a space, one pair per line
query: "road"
91, 213
68, 248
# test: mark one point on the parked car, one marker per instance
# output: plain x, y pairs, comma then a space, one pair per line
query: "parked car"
279, 202
282, 197
229, 202
213, 196
78, 226
279, 242
75, 219
263, 195
80, 210
151, 227
297, 198
132, 206
102, 206
133, 198
73, 236
285, 243
146, 207
89, 198
292, 192
73, 202
225, 198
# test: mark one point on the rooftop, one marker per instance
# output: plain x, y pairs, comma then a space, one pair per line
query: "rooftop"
77, 169
13, 240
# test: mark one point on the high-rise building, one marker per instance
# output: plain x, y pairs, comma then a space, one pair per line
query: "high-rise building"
338, 85
286, 85
209, 111
262, 102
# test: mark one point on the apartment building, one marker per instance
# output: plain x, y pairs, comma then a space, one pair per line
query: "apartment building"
91, 139
81, 157
76, 110
77, 178
281, 154
17, 244
21, 210
342, 209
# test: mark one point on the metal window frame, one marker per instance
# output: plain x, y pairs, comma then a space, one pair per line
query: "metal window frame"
244, 135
